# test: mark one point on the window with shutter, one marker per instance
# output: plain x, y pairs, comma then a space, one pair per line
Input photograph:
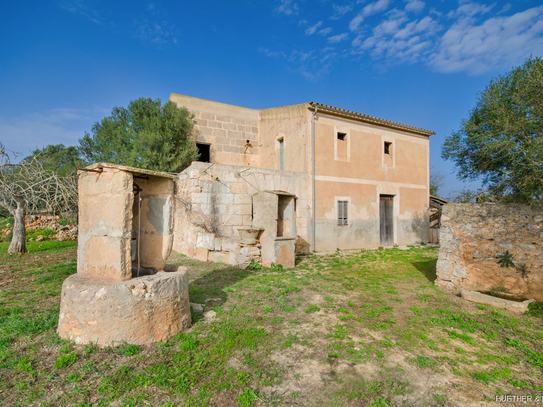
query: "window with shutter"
342, 213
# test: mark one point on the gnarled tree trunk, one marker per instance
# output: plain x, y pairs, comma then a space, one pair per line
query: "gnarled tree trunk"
18, 241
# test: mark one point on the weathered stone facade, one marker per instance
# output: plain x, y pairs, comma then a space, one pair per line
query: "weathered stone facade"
126, 231
360, 162
213, 201
472, 235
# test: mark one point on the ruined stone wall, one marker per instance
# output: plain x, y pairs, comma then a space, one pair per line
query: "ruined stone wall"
232, 131
213, 201
473, 235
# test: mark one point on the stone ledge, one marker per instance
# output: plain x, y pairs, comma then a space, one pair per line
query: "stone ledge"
480, 298
139, 311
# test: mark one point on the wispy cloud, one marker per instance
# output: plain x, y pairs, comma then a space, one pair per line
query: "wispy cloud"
82, 7
470, 9
325, 31
337, 38
287, 7
414, 5
311, 30
272, 54
154, 26
370, 9
498, 42
465, 36
340, 11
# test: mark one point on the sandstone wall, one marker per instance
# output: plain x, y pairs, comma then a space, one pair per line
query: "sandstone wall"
213, 201
226, 128
473, 235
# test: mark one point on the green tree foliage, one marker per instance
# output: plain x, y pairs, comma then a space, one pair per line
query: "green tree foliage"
56, 157
501, 142
144, 135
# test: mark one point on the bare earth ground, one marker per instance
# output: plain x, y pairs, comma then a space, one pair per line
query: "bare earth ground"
347, 329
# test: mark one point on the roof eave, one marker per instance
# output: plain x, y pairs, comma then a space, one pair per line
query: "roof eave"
369, 119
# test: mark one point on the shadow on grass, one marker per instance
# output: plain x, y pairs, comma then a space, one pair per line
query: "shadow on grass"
209, 281
427, 269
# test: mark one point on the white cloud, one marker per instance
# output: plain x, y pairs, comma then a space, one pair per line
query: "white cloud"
337, 38
153, 26
287, 7
474, 38
470, 9
325, 31
370, 9
340, 11
505, 8
311, 30
497, 43
83, 8
414, 5
272, 54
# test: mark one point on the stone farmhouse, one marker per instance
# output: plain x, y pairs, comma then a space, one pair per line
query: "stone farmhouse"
306, 177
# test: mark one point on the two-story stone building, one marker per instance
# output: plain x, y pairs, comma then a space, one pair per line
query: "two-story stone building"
312, 175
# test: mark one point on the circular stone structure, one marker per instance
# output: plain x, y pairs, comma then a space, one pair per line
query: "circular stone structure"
139, 311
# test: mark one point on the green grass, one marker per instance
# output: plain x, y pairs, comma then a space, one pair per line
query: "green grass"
279, 337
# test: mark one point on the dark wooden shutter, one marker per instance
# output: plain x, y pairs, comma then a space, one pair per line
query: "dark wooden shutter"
386, 220
342, 213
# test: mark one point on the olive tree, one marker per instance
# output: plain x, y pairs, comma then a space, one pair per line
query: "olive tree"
28, 186
501, 141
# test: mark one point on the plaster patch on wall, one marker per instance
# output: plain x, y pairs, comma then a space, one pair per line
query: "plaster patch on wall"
159, 215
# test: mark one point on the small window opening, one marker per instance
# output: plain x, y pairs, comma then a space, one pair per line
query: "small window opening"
281, 154
342, 213
342, 136
388, 147
205, 152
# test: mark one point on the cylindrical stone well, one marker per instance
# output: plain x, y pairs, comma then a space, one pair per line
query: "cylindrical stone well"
139, 311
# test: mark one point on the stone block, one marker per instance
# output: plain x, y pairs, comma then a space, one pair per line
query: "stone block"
201, 198
214, 124
155, 250
241, 259
227, 119
218, 132
239, 188
233, 220
109, 214
459, 271
109, 181
240, 209
224, 199
243, 199
139, 311
205, 240
234, 135
511, 304
201, 254
229, 244
233, 149
218, 257
104, 257
208, 116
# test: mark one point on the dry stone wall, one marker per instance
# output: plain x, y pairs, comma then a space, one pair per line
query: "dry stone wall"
473, 235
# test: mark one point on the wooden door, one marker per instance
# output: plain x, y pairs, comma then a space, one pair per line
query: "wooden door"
386, 220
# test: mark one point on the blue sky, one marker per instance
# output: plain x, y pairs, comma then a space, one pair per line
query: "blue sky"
64, 64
